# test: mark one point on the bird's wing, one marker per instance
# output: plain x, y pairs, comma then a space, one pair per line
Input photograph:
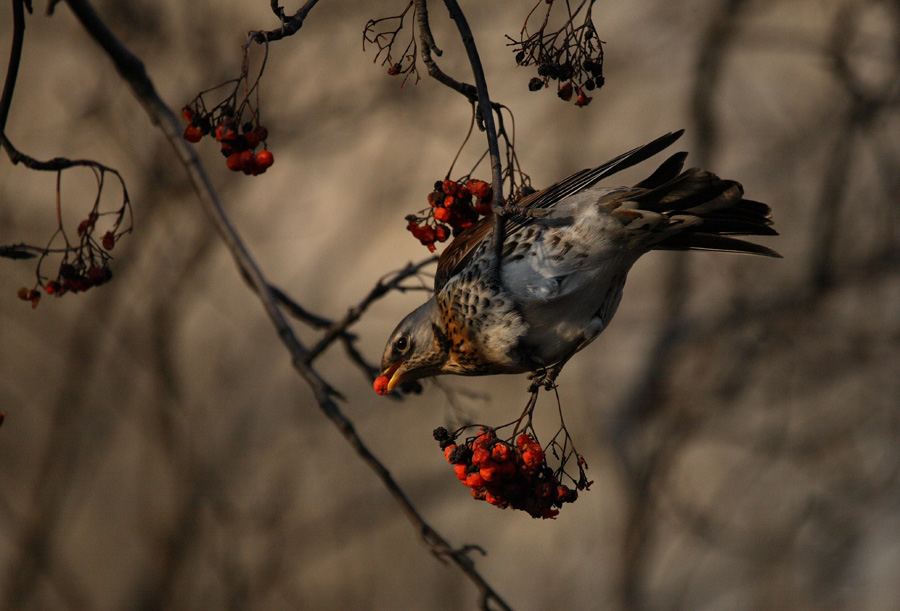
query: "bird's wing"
461, 250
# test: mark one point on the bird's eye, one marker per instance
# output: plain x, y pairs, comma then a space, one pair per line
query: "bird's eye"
402, 344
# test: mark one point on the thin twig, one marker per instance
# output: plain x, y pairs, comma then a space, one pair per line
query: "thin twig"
289, 25
380, 289
484, 104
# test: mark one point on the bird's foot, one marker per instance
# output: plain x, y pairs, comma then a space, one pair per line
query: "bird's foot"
545, 377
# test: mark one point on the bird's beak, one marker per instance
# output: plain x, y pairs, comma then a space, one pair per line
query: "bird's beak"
393, 372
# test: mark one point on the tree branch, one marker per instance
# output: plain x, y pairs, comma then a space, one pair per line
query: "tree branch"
132, 71
484, 104
289, 25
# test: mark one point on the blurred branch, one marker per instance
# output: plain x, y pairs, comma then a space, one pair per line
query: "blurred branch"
289, 25
381, 288
865, 106
12, 71
132, 71
642, 462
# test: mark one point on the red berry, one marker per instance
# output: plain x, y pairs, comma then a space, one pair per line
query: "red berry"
98, 275
442, 214
523, 440
441, 233
381, 385
234, 162
109, 240
192, 134
484, 209
427, 235
501, 452
449, 450
264, 159
449, 187
480, 456
248, 162
460, 471
489, 471
252, 140
565, 92
414, 229
582, 100
474, 480
187, 113
485, 437
262, 132
52, 287
493, 500
533, 458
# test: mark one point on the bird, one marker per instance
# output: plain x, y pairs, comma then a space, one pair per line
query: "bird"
562, 267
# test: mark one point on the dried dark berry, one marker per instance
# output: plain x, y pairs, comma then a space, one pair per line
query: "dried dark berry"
548, 69
535, 84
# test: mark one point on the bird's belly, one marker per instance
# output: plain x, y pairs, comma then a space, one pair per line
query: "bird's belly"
562, 323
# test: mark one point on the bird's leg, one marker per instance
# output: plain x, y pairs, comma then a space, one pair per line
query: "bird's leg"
547, 377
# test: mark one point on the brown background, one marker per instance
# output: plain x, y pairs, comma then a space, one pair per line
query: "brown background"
740, 417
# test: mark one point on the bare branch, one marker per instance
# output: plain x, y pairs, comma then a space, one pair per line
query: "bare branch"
484, 104
132, 70
289, 25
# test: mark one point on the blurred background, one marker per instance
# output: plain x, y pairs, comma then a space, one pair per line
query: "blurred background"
741, 416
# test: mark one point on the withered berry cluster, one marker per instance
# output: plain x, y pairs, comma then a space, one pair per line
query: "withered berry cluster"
507, 474
571, 55
87, 268
454, 206
238, 141
590, 74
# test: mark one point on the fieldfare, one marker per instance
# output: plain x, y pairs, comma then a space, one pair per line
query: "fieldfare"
563, 267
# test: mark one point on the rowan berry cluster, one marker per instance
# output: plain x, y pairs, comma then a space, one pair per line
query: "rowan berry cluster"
506, 473
75, 277
85, 264
571, 55
454, 206
238, 141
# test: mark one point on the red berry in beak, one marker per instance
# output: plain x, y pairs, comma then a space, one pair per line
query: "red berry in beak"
381, 385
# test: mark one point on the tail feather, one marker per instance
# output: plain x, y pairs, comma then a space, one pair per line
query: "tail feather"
666, 173
718, 205
692, 240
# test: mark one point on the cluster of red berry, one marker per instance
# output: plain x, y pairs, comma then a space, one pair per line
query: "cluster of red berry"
507, 474
238, 145
89, 268
454, 206
71, 279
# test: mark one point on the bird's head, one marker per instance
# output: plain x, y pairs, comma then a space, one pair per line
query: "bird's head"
414, 350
